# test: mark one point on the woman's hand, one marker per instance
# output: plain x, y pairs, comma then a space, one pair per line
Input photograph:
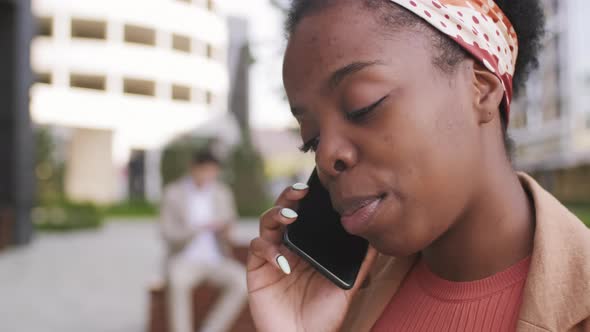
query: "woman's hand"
285, 292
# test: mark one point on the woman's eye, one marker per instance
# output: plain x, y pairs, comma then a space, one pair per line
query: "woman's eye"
361, 113
311, 145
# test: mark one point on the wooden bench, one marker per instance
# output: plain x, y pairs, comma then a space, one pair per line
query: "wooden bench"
204, 296
6, 227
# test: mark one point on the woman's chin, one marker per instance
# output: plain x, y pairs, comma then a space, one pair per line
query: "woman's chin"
397, 244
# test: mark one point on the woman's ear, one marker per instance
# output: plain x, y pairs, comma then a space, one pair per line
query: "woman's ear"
488, 93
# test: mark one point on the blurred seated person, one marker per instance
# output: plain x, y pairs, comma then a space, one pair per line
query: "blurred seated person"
196, 214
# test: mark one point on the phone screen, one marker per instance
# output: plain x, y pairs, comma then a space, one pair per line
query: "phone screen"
318, 237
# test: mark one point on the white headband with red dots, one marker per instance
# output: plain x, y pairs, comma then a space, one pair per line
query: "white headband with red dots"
480, 27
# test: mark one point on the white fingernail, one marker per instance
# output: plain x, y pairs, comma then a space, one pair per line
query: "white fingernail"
288, 213
299, 186
284, 264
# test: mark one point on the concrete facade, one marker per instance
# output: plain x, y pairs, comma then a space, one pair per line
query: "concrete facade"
551, 122
91, 172
125, 76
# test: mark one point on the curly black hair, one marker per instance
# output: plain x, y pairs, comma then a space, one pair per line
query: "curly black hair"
527, 17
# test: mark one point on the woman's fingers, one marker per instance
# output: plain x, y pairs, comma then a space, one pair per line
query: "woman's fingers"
263, 251
290, 196
273, 221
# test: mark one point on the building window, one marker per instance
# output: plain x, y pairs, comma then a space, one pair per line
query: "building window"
209, 98
139, 87
181, 43
210, 51
85, 81
214, 53
44, 78
45, 26
140, 35
181, 92
89, 29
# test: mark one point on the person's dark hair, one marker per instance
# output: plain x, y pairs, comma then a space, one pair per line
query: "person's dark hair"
526, 16
204, 157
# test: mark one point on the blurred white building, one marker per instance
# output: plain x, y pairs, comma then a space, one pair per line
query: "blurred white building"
551, 123
126, 76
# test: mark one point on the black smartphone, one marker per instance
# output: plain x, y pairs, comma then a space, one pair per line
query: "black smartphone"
318, 237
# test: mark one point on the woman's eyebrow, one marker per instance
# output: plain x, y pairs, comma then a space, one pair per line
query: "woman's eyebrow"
339, 75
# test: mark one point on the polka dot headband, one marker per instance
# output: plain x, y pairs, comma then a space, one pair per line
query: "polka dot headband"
480, 27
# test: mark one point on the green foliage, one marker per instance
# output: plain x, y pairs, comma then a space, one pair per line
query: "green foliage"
49, 172
131, 209
582, 211
246, 177
53, 211
67, 216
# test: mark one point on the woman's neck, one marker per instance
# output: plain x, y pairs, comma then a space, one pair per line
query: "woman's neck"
494, 232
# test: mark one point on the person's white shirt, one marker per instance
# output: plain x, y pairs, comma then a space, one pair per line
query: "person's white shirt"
200, 209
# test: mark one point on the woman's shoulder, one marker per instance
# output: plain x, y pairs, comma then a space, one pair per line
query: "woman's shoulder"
557, 291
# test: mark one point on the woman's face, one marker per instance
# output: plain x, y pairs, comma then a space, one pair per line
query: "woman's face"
396, 141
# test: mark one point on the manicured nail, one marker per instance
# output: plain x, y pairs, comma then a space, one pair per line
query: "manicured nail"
299, 186
288, 213
284, 264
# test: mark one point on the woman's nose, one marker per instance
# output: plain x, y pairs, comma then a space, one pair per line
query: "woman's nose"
335, 154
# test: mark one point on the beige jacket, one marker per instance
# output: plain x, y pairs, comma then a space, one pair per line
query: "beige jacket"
557, 290
175, 227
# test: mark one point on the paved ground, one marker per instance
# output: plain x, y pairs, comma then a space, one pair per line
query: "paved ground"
80, 282
90, 281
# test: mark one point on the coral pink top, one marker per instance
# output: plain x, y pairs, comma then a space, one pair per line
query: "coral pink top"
425, 302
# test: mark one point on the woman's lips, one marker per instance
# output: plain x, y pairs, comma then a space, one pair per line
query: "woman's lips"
355, 220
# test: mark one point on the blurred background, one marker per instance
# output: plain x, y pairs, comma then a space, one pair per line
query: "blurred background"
102, 103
